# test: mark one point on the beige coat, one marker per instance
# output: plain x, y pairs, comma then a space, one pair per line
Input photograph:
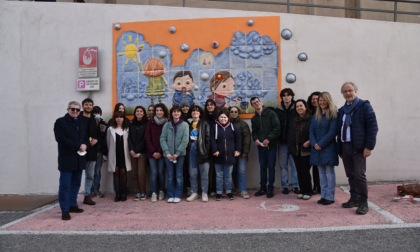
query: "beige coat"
110, 141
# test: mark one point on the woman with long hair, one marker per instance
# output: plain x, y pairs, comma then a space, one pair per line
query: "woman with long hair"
137, 146
299, 147
239, 169
118, 154
210, 115
155, 153
174, 141
322, 135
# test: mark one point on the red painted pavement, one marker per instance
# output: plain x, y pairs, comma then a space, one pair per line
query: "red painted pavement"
237, 214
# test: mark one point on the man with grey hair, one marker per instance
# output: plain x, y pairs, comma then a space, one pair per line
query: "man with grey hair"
357, 132
72, 142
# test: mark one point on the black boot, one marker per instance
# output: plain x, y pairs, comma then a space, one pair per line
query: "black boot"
117, 197
123, 197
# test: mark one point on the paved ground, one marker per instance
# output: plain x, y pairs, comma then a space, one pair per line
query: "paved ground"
281, 223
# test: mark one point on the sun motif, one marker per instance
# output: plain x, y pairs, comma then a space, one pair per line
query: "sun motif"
130, 50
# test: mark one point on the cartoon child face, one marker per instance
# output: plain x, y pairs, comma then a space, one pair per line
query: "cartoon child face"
183, 83
226, 88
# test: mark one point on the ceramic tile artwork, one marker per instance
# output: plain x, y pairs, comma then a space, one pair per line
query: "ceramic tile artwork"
247, 67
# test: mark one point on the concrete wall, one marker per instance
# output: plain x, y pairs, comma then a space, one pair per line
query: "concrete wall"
39, 55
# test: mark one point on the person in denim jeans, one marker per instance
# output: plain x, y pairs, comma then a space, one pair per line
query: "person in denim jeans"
324, 153
199, 153
174, 141
239, 169
225, 142
154, 151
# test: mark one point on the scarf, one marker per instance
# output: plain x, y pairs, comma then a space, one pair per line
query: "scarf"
160, 121
348, 110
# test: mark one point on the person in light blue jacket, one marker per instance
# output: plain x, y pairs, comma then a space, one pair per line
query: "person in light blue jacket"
322, 135
174, 141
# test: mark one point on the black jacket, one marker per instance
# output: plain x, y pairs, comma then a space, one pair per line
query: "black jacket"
102, 147
91, 132
136, 140
203, 141
286, 117
226, 141
70, 134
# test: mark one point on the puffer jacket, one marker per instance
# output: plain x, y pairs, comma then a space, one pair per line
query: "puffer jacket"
286, 117
225, 139
364, 127
324, 134
174, 144
245, 134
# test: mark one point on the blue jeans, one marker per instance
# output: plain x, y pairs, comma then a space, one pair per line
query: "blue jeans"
223, 172
89, 176
239, 173
327, 180
68, 189
97, 176
267, 160
175, 184
157, 171
193, 170
286, 159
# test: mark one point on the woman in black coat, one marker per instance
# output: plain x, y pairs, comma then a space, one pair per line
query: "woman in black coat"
299, 146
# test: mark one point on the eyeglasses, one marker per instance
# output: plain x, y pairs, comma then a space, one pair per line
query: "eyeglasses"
234, 112
75, 109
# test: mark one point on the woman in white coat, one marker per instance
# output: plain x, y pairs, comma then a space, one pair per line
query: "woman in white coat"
118, 154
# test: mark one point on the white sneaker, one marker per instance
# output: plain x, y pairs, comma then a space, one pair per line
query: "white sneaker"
245, 194
300, 196
306, 197
204, 197
193, 197
161, 195
154, 197
170, 200
177, 200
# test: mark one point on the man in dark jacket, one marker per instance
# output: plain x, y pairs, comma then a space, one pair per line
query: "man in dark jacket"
102, 127
88, 120
265, 134
357, 137
285, 112
72, 140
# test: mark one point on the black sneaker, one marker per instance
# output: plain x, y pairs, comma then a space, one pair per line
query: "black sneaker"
230, 196
328, 202
75, 209
218, 197
88, 201
65, 216
296, 190
260, 192
286, 190
351, 203
143, 196
321, 201
362, 209
270, 193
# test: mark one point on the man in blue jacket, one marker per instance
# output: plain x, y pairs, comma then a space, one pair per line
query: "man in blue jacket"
72, 142
357, 137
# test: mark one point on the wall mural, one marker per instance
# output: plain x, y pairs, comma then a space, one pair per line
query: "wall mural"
225, 59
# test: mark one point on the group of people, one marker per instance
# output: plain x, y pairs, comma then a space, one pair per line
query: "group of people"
206, 150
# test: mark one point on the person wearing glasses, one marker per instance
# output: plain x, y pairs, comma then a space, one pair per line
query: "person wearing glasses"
239, 169
72, 140
265, 134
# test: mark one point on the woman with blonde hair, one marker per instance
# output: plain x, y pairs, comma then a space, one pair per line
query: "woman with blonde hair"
322, 135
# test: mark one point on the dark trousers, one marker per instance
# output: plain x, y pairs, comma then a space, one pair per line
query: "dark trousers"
315, 176
355, 167
303, 169
68, 189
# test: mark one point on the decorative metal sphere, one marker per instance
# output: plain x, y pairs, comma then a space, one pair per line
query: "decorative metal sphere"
162, 54
250, 22
290, 78
117, 27
205, 76
185, 47
286, 34
302, 56
172, 29
214, 44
